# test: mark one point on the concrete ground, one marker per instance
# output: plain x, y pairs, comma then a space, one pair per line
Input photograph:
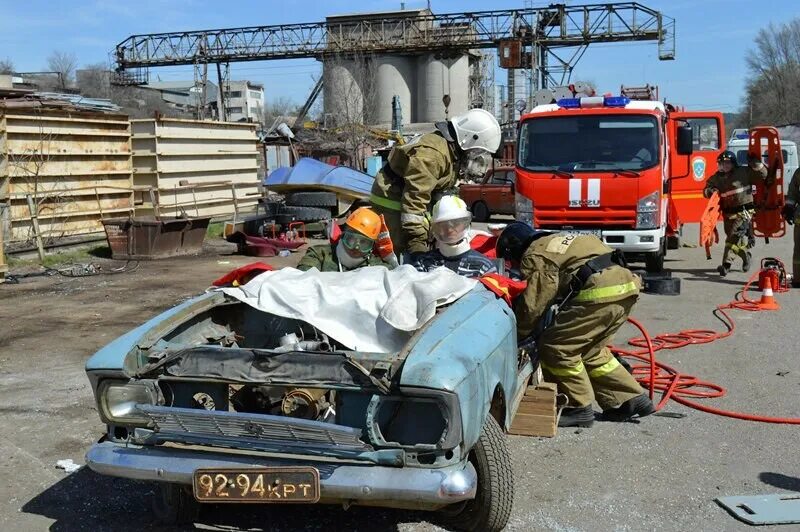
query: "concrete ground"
659, 474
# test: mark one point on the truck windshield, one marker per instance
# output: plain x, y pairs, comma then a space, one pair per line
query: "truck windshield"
589, 143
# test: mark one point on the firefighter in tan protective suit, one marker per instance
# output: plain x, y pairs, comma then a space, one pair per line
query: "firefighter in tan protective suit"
735, 186
419, 173
791, 213
578, 295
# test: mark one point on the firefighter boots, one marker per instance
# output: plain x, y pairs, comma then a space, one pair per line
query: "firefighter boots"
580, 416
724, 268
639, 406
747, 258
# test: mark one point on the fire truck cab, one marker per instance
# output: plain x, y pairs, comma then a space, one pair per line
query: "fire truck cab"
629, 171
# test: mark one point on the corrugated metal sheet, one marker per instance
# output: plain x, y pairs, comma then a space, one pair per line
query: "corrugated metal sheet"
75, 165
197, 167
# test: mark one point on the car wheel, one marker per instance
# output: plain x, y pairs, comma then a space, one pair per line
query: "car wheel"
654, 262
174, 504
312, 199
490, 510
480, 211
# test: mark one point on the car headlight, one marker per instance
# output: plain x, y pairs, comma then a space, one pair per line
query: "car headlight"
423, 419
647, 211
523, 209
117, 401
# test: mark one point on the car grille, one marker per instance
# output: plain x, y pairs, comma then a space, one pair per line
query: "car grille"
250, 430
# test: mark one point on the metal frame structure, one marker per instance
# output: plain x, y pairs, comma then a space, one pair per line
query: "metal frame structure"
543, 29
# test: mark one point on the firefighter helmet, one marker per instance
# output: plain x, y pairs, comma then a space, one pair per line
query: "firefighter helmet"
477, 129
515, 239
727, 155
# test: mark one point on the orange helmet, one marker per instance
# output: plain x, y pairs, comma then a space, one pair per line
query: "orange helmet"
365, 221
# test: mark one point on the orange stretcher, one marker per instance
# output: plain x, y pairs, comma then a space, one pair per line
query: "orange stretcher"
767, 221
708, 224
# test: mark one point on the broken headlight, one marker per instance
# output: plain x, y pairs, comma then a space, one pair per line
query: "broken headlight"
117, 401
419, 419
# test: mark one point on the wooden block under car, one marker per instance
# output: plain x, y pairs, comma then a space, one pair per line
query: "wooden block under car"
536, 415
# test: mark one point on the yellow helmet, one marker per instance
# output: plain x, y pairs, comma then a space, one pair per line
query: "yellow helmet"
365, 221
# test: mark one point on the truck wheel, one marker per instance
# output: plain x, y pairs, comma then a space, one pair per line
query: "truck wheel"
490, 509
174, 504
480, 211
654, 262
674, 242
290, 213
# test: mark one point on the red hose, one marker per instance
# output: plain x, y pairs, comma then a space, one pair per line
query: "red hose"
680, 387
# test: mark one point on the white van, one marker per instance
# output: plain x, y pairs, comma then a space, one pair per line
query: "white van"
789, 149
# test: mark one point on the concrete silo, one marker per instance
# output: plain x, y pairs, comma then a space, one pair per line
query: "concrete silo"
438, 75
394, 75
344, 97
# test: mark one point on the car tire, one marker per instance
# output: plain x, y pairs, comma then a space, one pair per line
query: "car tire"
480, 211
174, 504
490, 510
654, 262
302, 214
312, 199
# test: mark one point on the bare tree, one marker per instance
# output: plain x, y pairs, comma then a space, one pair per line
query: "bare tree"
773, 86
350, 102
32, 170
95, 81
65, 64
6, 66
282, 106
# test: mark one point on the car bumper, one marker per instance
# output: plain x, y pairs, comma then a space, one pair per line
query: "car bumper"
634, 241
396, 487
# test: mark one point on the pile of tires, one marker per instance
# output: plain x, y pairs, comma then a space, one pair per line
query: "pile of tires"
307, 207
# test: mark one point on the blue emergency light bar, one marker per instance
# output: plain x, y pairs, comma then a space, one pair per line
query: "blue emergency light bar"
593, 101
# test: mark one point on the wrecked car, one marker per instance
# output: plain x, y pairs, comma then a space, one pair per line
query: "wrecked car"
219, 401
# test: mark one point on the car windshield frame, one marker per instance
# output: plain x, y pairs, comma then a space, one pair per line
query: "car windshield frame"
583, 162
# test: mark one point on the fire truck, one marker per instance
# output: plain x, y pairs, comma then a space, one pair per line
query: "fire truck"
629, 169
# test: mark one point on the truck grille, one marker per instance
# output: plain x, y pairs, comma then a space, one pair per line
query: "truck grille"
609, 217
255, 431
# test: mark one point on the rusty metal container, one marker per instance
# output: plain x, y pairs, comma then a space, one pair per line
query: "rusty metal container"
143, 238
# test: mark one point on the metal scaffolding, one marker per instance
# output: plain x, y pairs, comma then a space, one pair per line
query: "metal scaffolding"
542, 30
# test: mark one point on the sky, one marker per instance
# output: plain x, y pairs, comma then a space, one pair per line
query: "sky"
709, 72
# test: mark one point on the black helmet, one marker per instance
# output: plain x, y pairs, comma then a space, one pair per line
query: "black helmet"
515, 239
727, 155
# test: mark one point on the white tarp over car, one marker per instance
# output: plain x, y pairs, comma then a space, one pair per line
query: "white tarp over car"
371, 309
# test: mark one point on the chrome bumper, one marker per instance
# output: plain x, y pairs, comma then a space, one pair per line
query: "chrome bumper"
396, 487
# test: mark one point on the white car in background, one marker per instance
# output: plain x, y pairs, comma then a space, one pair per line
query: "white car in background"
788, 148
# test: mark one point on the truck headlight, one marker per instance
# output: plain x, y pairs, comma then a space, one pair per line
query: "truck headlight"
117, 401
647, 211
523, 209
428, 419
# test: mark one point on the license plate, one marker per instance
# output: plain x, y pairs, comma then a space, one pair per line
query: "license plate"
261, 485
596, 232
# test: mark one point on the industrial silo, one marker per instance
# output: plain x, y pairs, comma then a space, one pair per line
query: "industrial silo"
394, 76
438, 75
342, 82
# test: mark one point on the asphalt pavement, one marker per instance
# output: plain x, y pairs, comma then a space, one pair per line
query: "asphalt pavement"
661, 473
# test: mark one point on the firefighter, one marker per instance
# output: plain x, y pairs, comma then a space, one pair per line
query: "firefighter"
735, 187
354, 249
578, 295
791, 214
450, 224
417, 174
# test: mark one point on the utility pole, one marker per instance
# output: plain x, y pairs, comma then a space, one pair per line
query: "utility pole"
223, 107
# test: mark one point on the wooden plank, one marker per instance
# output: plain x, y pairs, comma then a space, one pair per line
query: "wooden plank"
537, 413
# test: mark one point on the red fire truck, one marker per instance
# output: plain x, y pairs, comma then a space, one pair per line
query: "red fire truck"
629, 170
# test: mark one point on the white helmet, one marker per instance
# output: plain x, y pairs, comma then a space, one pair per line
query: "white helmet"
450, 220
477, 129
